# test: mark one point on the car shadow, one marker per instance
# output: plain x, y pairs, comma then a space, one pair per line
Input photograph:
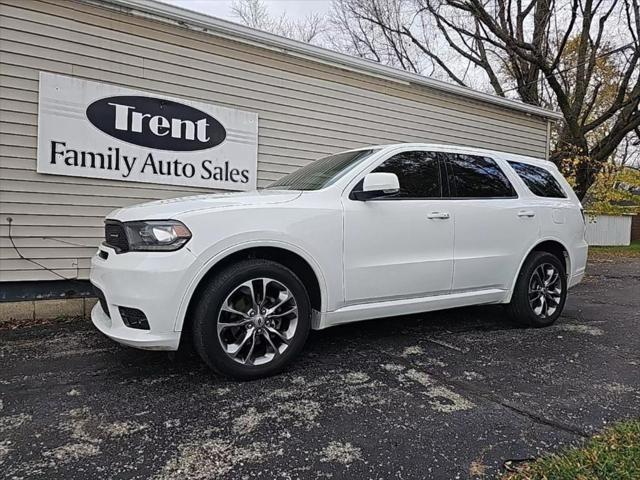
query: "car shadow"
328, 342
456, 320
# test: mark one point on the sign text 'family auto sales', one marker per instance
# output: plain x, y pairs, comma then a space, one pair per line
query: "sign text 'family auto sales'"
90, 129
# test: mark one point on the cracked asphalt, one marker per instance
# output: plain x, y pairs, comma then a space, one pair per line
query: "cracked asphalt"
446, 395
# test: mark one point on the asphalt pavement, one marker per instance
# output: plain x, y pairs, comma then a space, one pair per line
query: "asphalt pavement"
452, 394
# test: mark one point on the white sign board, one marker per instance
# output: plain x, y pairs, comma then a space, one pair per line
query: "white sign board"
89, 129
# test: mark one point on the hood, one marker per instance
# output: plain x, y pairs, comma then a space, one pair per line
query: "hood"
171, 208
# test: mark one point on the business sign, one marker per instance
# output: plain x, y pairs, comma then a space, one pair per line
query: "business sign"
90, 129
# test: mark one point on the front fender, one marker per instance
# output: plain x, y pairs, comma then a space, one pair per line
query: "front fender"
227, 246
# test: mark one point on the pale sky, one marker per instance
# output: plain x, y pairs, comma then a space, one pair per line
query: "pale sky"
222, 8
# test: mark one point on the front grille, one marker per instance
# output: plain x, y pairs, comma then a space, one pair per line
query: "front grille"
115, 236
102, 300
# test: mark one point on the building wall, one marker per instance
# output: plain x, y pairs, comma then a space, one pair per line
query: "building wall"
607, 230
635, 228
306, 110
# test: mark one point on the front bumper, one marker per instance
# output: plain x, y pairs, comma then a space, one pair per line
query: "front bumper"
153, 282
143, 339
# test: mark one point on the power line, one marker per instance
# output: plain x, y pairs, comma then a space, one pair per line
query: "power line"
22, 257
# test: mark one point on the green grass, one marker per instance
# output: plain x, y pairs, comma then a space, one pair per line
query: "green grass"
612, 455
632, 250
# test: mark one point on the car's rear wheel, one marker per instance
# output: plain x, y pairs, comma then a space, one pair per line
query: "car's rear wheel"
540, 292
252, 319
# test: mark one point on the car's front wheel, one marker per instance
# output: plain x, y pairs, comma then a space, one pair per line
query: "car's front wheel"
540, 292
252, 319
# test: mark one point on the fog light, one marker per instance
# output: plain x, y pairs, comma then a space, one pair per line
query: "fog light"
134, 318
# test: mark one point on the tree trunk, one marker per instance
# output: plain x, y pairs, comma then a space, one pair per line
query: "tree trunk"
585, 177
572, 157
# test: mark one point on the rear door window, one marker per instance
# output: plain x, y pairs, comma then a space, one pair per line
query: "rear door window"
539, 180
475, 176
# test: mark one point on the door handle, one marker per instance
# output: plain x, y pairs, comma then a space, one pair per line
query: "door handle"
526, 213
441, 215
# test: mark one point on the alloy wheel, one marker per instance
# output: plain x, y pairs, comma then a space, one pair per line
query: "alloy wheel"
545, 290
257, 321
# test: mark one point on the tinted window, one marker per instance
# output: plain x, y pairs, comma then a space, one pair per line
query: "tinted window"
322, 172
539, 180
418, 174
478, 177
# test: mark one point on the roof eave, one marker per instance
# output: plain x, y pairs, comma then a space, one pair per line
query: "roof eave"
216, 26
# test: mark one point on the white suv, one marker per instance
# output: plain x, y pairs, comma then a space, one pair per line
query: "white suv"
368, 233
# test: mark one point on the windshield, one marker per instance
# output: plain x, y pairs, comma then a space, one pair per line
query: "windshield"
322, 172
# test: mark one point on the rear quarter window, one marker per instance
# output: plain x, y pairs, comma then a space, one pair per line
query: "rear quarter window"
540, 181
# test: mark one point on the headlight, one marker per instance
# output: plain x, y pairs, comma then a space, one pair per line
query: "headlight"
157, 235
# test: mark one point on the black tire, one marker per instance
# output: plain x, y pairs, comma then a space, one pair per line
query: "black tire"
207, 315
520, 308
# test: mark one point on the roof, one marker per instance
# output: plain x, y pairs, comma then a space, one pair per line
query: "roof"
461, 149
223, 28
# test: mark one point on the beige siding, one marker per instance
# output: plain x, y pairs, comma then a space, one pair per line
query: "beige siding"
306, 109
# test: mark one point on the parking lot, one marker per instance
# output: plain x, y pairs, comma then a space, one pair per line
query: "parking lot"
451, 394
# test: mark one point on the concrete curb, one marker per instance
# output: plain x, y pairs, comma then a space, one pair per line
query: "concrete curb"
46, 309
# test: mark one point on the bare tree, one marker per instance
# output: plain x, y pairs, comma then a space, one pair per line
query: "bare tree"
372, 40
628, 153
252, 13
255, 14
580, 56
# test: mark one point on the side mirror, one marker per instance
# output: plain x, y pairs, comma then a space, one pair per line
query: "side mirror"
378, 184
